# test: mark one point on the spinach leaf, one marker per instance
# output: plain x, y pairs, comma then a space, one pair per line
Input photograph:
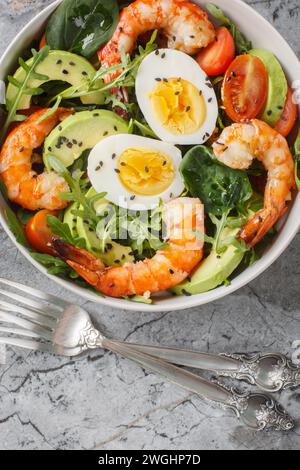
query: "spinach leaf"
82, 26
242, 44
219, 187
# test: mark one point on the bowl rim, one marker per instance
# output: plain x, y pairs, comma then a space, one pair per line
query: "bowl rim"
174, 303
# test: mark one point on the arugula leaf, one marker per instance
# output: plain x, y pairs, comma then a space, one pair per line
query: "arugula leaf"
242, 44
15, 226
76, 193
297, 157
139, 299
128, 67
23, 88
82, 26
63, 231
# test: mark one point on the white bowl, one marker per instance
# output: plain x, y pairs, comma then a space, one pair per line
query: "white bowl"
262, 35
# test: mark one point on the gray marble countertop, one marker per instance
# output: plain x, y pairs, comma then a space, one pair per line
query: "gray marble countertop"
103, 402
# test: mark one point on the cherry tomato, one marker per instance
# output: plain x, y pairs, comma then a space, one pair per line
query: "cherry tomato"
289, 116
38, 233
245, 88
216, 58
43, 42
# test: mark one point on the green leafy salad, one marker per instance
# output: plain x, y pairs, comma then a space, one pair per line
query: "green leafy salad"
138, 157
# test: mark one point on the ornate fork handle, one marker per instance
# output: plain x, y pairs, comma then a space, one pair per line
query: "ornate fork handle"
257, 410
271, 372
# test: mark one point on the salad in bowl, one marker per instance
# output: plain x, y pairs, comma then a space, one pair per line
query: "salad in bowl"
147, 148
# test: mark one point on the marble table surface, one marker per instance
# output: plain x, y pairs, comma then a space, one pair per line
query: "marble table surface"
103, 402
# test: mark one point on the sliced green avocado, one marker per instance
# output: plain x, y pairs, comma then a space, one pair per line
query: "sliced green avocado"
278, 86
82, 131
214, 270
58, 65
71, 219
116, 254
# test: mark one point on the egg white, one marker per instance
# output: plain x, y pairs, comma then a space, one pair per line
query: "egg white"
106, 154
175, 64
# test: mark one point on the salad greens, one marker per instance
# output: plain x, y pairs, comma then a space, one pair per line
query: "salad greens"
23, 87
242, 44
82, 26
220, 188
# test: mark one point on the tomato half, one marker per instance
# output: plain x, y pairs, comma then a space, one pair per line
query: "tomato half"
43, 42
216, 58
245, 88
38, 233
289, 116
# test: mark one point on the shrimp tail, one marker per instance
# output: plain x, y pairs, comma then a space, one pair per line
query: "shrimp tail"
83, 262
260, 224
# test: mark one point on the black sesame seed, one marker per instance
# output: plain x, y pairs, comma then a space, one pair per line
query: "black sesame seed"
59, 61
189, 279
86, 222
120, 29
21, 149
280, 108
209, 100
113, 156
84, 73
158, 79
117, 261
171, 271
72, 64
219, 143
219, 256
131, 253
270, 112
171, 195
58, 146
177, 93
157, 52
228, 79
95, 114
234, 74
164, 163
123, 256
209, 85
146, 169
69, 145
98, 168
185, 292
163, 55
132, 198
116, 128
74, 220
60, 128
91, 229
123, 164
105, 133
80, 144
65, 72
188, 108
50, 149
200, 93
74, 141
109, 246
225, 148
117, 170
192, 36
101, 163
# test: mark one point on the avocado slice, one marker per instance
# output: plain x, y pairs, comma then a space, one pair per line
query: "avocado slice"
214, 270
116, 254
278, 86
82, 131
58, 65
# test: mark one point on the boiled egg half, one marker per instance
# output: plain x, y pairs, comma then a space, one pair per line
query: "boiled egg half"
135, 172
176, 97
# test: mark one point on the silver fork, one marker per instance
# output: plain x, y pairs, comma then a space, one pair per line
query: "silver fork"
47, 323
271, 372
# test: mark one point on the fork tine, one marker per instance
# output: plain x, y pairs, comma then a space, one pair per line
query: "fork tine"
40, 318
28, 325
21, 332
37, 306
26, 344
56, 302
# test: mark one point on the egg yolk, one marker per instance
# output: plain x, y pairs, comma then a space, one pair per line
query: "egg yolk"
178, 105
145, 171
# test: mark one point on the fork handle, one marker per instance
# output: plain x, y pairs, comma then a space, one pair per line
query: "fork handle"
196, 360
256, 410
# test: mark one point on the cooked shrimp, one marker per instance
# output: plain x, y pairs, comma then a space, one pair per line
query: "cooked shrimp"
24, 186
185, 25
184, 219
237, 146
